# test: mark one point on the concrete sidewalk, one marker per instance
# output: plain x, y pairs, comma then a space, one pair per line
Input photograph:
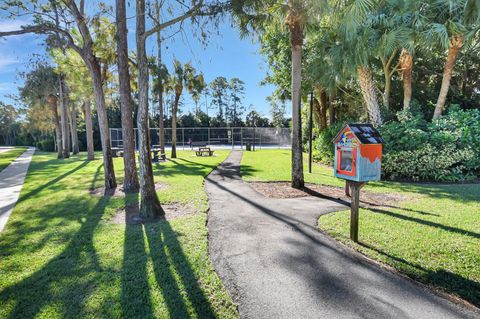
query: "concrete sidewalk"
11, 182
276, 264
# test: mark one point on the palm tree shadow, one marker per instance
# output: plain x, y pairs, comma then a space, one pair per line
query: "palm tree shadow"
465, 288
67, 279
135, 288
174, 276
166, 251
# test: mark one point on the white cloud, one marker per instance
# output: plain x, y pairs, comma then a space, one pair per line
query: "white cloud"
10, 25
6, 86
5, 62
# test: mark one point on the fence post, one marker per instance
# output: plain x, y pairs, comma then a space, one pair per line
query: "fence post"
233, 139
241, 138
183, 138
209, 136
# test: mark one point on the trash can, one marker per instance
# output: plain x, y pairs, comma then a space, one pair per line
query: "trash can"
249, 147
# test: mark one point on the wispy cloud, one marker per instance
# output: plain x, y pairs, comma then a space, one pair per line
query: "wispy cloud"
6, 62
6, 86
10, 25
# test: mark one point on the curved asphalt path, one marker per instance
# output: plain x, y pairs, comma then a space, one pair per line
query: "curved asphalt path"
276, 264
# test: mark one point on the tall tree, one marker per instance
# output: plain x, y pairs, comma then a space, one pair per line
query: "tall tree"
295, 14
130, 183
41, 86
45, 24
453, 24
219, 92
72, 67
150, 207
182, 76
160, 84
236, 108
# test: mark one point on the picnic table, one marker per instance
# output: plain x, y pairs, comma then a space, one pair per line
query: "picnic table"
156, 157
204, 151
117, 151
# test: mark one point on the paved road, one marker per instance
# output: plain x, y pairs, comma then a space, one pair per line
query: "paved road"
11, 182
277, 265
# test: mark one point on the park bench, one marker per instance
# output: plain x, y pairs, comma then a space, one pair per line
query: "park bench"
204, 151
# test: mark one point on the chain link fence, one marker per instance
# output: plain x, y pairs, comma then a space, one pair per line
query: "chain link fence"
215, 137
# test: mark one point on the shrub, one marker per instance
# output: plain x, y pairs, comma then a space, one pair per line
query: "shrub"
447, 149
323, 150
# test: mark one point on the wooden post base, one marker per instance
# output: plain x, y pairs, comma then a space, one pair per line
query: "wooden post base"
355, 188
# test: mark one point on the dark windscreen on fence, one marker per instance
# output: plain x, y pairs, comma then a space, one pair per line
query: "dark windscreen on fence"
219, 137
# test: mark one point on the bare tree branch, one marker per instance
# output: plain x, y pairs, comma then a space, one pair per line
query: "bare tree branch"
44, 29
173, 21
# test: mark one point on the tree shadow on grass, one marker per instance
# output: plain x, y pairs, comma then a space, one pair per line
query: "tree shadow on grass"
51, 182
66, 280
174, 276
461, 286
187, 168
427, 223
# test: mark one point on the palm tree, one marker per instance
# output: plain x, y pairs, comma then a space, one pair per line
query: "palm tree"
161, 76
295, 14
452, 24
182, 76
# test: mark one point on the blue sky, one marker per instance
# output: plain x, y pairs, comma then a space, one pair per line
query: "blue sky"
226, 55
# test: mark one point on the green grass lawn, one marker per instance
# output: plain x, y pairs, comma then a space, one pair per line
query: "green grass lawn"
434, 236
60, 257
9, 156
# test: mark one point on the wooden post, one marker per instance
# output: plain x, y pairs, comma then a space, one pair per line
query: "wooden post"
355, 205
347, 188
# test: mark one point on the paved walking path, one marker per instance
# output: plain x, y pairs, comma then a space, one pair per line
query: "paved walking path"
5, 148
276, 264
11, 182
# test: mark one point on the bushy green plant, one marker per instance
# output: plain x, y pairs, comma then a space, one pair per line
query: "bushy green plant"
323, 150
447, 149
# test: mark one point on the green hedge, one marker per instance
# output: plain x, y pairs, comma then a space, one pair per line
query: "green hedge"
445, 150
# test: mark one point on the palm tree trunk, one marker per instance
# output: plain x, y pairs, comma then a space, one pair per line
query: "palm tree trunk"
64, 119
174, 125
388, 73
89, 130
331, 109
456, 43
296, 39
369, 95
149, 204
130, 183
317, 111
53, 101
323, 103
161, 124
406, 67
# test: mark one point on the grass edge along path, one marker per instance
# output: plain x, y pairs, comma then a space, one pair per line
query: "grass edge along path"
432, 237
60, 257
7, 157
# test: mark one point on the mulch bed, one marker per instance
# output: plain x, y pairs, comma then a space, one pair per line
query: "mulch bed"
129, 214
119, 191
284, 190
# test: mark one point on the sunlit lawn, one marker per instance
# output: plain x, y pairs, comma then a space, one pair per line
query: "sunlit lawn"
61, 257
433, 236
9, 156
